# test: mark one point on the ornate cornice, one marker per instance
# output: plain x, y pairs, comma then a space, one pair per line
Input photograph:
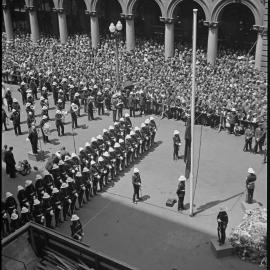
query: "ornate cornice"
127, 16
211, 25
167, 20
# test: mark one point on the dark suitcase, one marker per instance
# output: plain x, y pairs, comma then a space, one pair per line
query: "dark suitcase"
171, 202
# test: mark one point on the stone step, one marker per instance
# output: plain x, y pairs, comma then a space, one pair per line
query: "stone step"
246, 206
223, 250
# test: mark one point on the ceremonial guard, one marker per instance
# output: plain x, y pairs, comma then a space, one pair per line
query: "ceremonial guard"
139, 139
148, 134
153, 127
134, 144
114, 106
5, 230
222, 220
120, 106
33, 138
45, 111
38, 213
128, 124
77, 102
73, 194
250, 185
57, 206
48, 182
108, 166
90, 107
22, 198
55, 92
259, 139
136, 181
119, 158
14, 222
39, 186
59, 122
45, 128
80, 188
30, 192
131, 104
87, 183
22, 90
176, 145
95, 176
112, 159
73, 111
11, 204
65, 198
30, 120
15, 118
123, 150
76, 228
248, 139
47, 209
100, 103
181, 192
103, 173
25, 216
144, 138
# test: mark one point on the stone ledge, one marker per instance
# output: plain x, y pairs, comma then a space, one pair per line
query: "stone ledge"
246, 206
223, 250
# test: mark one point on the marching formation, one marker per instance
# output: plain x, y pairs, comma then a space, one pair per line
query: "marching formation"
69, 181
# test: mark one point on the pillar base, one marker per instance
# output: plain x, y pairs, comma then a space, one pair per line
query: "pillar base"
221, 251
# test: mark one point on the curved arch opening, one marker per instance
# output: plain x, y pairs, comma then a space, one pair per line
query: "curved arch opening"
235, 28
183, 13
147, 20
109, 11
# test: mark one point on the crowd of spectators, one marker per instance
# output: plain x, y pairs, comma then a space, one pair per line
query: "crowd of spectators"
230, 95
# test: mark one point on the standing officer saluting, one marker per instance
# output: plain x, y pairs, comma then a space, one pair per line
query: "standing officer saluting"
76, 228
181, 192
136, 181
222, 220
250, 185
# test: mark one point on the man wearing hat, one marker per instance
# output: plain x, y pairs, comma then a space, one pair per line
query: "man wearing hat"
73, 194
73, 112
39, 186
136, 181
66, 201
80, 188
48, 180
128, 124
59, 123
87, 182
38, 212
25, 216
222, 220
14, 222
33, 138
55, 92
250, 185
90, 107
176, 145
44, 128
114, 106
57, 205
259, 139
11, 204
15, 118
248, 139
22, 90
181, 189
131, 104
21, 196
10, 163
100, 103
47, 209
77, 102
30, 192
95, 175
5, 229
76, 228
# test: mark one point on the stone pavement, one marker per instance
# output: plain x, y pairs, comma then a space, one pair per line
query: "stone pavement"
150, 235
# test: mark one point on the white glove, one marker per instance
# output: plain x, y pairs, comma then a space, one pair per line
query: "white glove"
69, 200
42, 218
83, 188
51, 213
59, 207
76, 195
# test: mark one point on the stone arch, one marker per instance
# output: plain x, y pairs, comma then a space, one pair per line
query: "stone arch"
173, 4
95, 2
131, 4
255, 9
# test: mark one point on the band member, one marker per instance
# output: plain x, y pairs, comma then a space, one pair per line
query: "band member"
153, 127
95, 175
48, 182
76, 101
222, 220
14, 222
21, 196
76, 228
47, 209
33, 138
73, 110
250, 185
30, 192
11, 204
25, 216
80, 188
87, 182
181, 192
59, 117
128, 123
100, 103
56, 205
39, 186
45, 128
65, 198
119, 158
136, 181
176, 145
73, 193
15, 118
38, 212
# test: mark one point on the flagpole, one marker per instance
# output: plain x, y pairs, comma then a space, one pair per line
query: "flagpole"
193, 106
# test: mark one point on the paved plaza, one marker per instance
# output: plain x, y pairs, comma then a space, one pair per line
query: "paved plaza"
150, 235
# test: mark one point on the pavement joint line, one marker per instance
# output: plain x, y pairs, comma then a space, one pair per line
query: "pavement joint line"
98, 213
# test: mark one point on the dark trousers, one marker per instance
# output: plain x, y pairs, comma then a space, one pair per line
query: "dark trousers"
120, 113
181, 202
65, 209
114, 115
136, 192
4, 121
80, 198
11, 170
249, 195
175, 152
34, 147
221, 233
248, 145
57, 213
257, 143
100, 109
74, 122
60, 129
131, 112
5, 230
48, 218
17, 129
73, 204
90, 115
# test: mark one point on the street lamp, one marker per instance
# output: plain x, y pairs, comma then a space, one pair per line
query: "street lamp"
116, 33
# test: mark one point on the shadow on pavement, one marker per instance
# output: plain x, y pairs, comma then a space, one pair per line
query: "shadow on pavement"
84, 126
55, 141
97, 118
144, 198
71, 134
24, 132
214, 203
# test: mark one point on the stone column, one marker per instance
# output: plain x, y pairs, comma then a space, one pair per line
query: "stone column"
8, 23
169, 37
212, 44
33, 24
259, 46
94, 27
62, 20
130, 32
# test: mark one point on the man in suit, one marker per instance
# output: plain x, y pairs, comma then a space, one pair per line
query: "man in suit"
222, 220
10, 161
33, 138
